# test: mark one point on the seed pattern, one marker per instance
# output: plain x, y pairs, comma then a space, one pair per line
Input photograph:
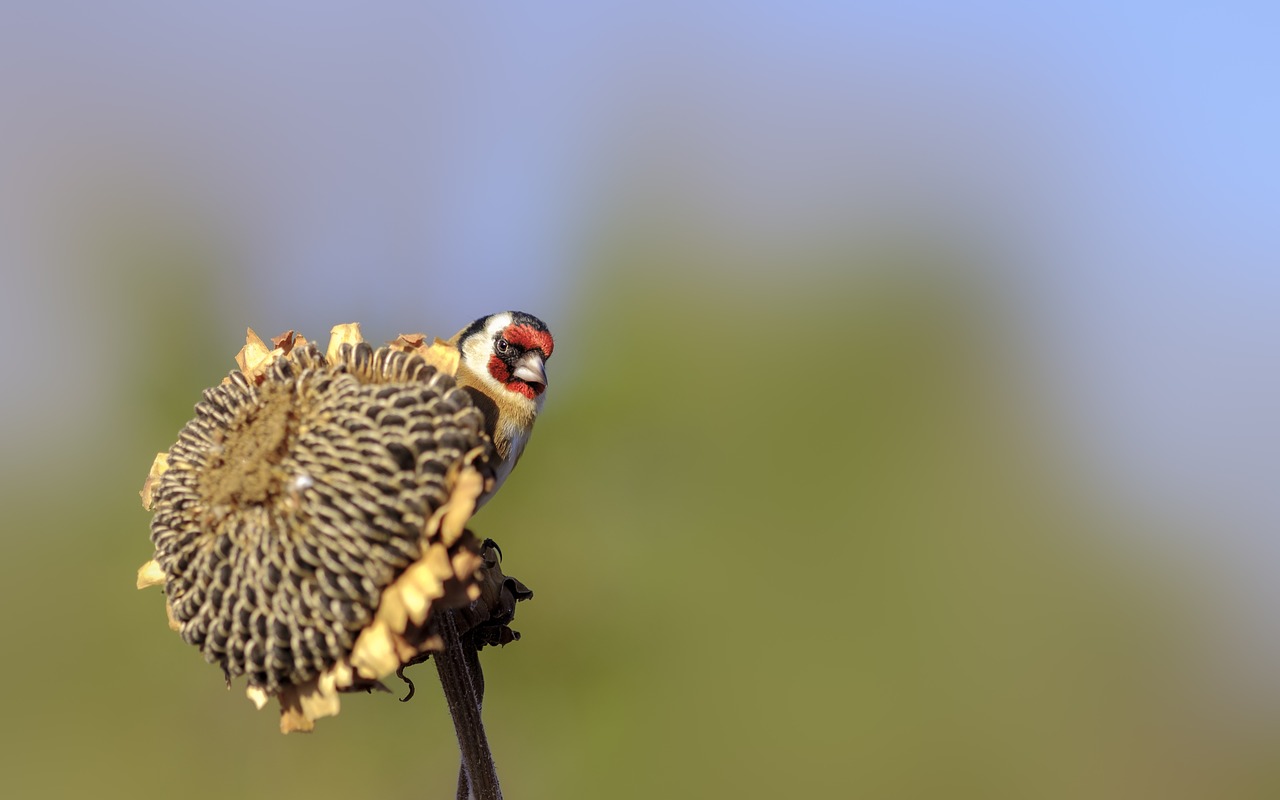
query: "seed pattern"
290, 504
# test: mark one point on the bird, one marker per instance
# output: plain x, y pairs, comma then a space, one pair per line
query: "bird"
502, 366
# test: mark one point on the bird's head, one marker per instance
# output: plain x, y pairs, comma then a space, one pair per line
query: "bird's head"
504, 355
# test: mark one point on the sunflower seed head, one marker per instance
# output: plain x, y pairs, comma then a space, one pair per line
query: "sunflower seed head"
297, 495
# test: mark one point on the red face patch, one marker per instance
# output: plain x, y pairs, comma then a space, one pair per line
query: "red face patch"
520, 387
499, 370
502, 374
529, 338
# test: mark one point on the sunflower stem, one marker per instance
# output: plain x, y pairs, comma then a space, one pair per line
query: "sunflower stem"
459, 668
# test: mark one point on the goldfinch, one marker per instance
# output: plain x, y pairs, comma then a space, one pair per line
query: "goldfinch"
502, 365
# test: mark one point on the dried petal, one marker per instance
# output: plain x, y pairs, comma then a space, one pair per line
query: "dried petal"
150, 574
255, 356
345, 334
158, 466
258, 697
439, 354
286, 341
408, 342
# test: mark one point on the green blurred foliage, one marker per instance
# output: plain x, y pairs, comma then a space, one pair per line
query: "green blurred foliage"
808, 542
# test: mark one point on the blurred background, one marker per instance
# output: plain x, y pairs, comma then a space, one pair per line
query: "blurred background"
912, 428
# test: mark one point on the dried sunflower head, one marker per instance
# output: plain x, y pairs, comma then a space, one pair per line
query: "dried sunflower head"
310, 519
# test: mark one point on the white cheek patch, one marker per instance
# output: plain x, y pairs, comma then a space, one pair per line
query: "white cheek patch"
478, 349
476, 352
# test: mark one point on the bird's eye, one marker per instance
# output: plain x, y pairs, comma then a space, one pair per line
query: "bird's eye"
502, 346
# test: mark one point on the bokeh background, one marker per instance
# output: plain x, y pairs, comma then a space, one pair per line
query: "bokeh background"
913, 424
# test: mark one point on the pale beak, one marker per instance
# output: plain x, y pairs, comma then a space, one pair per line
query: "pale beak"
530, 369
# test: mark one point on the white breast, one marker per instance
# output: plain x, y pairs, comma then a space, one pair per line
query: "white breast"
518, 438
